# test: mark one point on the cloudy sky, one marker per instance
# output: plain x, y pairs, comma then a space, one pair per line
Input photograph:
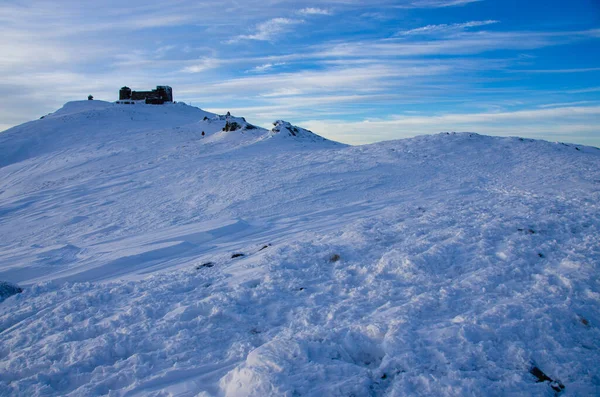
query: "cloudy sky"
354, 71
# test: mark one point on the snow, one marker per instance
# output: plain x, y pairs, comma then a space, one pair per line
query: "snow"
446, 265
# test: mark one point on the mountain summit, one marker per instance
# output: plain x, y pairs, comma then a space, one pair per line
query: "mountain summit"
165, 250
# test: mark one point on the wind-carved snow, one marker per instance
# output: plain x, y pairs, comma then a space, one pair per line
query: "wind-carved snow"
158, 261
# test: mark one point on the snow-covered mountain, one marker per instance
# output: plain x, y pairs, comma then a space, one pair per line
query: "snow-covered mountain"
164, 250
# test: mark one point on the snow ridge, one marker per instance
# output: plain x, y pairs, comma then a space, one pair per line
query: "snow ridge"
167, 251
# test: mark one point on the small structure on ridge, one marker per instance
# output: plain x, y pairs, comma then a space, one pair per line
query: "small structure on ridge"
158, 96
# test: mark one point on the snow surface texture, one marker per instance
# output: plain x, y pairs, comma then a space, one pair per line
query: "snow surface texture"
155, 261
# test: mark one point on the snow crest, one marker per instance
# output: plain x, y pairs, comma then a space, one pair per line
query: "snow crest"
160, 252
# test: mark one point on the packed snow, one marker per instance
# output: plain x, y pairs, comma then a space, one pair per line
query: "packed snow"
167, 251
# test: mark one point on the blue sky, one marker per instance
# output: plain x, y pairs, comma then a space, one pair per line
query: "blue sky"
353, 71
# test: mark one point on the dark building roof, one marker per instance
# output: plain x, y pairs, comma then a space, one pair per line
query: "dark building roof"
160, 95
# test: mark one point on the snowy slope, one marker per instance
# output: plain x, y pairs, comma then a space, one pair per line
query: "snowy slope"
448, 264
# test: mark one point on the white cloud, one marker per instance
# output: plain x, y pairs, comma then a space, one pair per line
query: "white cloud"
558, 71
463, 44
314, 11
594, 32
536, 115
269, 30
201, 65
265, 67
282, 92
433, 29
584, 90
566, 104
359, 79
435, 3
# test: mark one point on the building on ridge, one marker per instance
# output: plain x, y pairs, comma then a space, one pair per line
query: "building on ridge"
158, 96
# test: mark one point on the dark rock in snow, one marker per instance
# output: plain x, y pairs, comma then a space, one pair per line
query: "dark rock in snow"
528, 231
556, 385
539, 374
207, 264
231, 126
8, 289
334, 258
265, 247
236, 256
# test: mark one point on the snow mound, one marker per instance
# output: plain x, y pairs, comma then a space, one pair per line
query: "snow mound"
89, 124
167, 251
284, 129
75, 107
96, 124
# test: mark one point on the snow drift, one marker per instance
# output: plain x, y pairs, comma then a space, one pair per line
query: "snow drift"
157, 260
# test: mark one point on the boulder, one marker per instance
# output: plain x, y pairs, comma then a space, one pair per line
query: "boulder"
8, 289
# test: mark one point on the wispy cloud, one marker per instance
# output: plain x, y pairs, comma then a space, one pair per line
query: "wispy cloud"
43, 17
566, 104
265, 67
595, 32
368, 78
435, 3
314, 11
463, 44
442, 28
269, 30
201, 65
584, 90
557, 71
